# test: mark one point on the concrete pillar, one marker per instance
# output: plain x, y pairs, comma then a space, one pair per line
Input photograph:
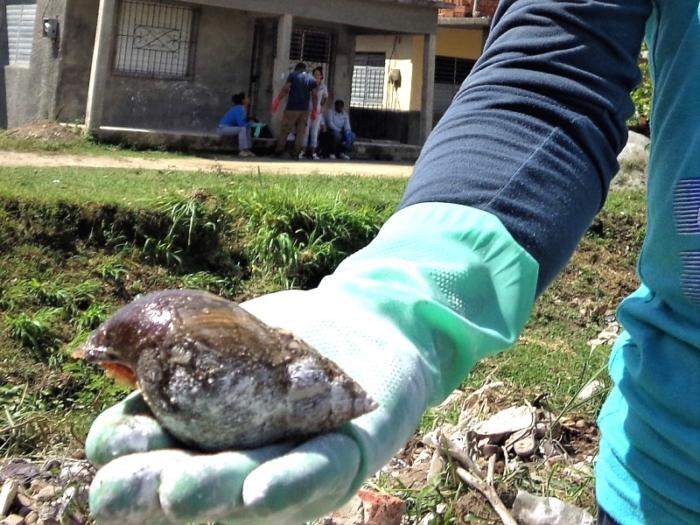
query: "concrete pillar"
101, 62
281, 65
428, 86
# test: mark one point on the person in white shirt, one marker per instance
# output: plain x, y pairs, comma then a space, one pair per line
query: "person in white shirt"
314, 126
338, 131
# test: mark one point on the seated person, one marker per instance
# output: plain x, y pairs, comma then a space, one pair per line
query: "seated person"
235, 123
337, 134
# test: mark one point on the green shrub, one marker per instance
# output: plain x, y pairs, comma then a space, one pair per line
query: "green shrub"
36, 332
298, 238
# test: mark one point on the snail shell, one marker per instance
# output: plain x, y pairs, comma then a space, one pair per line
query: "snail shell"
217, 378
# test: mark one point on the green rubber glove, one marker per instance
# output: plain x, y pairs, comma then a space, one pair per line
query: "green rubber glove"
440, 287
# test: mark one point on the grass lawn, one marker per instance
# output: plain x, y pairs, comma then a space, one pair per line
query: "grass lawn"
75, 244
140, 188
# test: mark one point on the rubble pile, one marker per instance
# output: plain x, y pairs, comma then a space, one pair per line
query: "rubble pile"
54, 492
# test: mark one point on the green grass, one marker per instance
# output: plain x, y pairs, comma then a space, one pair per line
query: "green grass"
138, 188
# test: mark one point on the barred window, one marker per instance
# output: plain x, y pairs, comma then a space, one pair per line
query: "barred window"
452, 70
19, 16
156, 39
311, 46
368, 80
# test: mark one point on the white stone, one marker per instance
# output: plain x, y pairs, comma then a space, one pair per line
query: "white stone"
535, 510
7, 496
590, 390
506, 422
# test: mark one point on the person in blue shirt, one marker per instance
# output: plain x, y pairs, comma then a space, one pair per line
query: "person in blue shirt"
235, 123
301, 92
506, 185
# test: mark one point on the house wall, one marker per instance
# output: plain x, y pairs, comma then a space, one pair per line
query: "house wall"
405, 52
75, 60
342, 70
459, 42
398, 50
221, 68
28, 93
381, 15
451, 42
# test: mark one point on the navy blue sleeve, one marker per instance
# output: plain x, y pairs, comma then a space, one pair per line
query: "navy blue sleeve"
534, 132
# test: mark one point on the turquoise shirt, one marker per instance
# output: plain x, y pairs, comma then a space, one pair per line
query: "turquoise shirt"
649, 465
532, 137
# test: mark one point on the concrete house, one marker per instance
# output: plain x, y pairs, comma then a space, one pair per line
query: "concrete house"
387, 85
132, 67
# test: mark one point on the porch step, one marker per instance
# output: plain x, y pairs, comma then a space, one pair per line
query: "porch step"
198, 140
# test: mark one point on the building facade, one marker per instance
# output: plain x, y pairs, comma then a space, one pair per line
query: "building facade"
167, 65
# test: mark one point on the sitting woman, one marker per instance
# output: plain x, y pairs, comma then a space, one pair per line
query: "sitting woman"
235, 123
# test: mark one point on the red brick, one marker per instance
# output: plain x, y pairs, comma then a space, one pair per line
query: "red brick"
381, 509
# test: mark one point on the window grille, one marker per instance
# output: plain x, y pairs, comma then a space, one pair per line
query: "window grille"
368, 80
452, 70
19, 16
155, 39
311, 46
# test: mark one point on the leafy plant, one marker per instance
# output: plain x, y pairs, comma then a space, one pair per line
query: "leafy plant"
92, 317
229, 285
642, 96
113, 271
186, 213
35, 332
162, 251
298, 238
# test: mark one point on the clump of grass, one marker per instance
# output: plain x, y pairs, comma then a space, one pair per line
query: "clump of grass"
298, 238
228, 286
36, 332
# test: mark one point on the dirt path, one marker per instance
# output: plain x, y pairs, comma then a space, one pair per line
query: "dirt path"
223, 163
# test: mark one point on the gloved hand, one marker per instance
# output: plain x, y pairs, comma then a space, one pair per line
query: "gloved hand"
314, 114
441, 286
276, 104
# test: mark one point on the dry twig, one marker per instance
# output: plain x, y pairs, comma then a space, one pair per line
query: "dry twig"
489, 493
476, 480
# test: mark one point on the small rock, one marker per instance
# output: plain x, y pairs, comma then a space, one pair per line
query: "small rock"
429, 518
47, 493
579, 471
505, 422
455, 397
36, 485
381, 509
76, 471
24, 500
535, 510
7, 496
422, 457
525, 447
19, 470
31, 518
540, 430
590, 390
13, 519
437, 464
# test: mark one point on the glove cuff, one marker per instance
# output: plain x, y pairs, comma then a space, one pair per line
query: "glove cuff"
451, 278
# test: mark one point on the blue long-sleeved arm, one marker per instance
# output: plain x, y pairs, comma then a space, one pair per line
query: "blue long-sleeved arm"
534, 132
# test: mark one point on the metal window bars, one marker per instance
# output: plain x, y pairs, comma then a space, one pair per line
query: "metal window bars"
155, 39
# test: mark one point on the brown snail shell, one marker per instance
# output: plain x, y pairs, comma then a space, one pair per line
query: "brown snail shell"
216, 377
